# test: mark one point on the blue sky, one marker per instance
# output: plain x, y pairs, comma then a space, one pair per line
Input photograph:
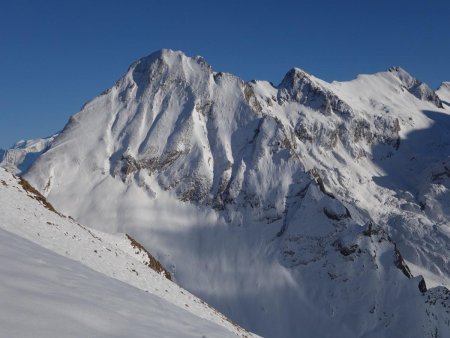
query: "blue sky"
56, 55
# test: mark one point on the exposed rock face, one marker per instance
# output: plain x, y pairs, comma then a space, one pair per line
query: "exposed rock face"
301, 87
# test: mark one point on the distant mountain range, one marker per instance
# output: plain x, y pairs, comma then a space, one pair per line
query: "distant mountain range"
308, 209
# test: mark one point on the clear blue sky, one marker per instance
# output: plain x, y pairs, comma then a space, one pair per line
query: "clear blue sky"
56, 55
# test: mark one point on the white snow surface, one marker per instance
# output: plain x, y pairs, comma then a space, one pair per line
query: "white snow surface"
61, 279
22, 155
444, 93
287, 207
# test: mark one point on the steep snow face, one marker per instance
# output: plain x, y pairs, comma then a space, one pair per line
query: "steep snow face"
278, 205
60, 278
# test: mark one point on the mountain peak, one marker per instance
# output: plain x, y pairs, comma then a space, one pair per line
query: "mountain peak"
444, 92
293, 76
405, 77
170, 56
167, 61
416, 87
166, 56
445, 84
164, 53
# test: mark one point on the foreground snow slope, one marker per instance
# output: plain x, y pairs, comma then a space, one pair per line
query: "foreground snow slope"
60, 279
46, 295
280, 205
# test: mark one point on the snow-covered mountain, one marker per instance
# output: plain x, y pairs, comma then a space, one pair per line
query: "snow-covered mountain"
61, 279
308, 208
18, 158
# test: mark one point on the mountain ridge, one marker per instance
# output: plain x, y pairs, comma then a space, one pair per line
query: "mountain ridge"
270, 193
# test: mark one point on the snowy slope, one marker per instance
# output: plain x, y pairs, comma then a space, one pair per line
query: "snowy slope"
62, 279
47, 295
444, 93
260, 199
